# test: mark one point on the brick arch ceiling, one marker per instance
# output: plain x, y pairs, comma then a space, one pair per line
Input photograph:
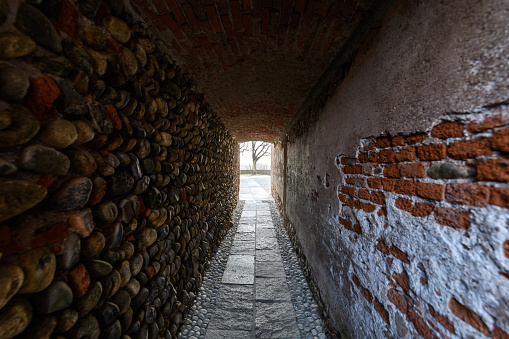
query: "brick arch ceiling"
255, 60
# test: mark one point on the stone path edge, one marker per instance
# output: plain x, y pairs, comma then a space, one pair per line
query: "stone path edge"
280, 220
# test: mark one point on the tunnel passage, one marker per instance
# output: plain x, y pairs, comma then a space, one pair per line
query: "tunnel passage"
119, 131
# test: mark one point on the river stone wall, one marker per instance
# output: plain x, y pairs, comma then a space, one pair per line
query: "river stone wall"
117, 179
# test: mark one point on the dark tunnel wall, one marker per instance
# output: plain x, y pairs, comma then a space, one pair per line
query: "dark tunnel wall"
395, 189
117, 181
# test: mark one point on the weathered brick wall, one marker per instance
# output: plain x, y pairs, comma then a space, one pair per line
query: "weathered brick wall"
395, 189
431, 203
117, 180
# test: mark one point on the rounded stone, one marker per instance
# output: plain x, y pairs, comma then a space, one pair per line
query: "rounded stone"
41, 327
118, 29
18, 196
11, 279
70, 253
15, 317
106, 212
87, 327
85, 132
99, 62
99, 268
46, 160
14, 45
73, 195
94, 37
54, 298
113, 331
39, 266
55, 65
120, 184
66, 319
81, 222
111, 284
130, 62
107, 313
125, 273
87, 303
70, 103
133, 287
83, 163
14, 83
59, 133
37, 26
122, 299
93, 245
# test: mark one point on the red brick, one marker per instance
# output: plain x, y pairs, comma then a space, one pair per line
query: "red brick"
173, 27
363, 158
49, 181
68, 18
449, 129
379, 307
351, 191
356, 280
452, 217
422, 209
398, 141
501, 140
382, 211
399, 254
493, 170
413, 170
430, 191
406, 187
357, 229
398, 300
368, 208
468, 316
350, 202
375, 183
416, 138
363, 194
392, 171
406, 154
176, 11
54, 234
432, 152
113, 115
468, 194
377, 198
345, 222
41, 95
387, 155
344, 161
352, 169
350, 181
469, 149
404, 204
500, 197
79, 280
498, 333
402, 280
214, 18
446, 323
505, 247
373, 156
419, 324
367, 294
236, 14
487, 123
342, 198
388, 184
383, 142
382, 247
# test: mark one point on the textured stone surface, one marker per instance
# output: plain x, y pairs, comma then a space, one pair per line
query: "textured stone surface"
42, 159
21, 126
59, 133
18, 196
54, 298
37, 26
11, 279
39, 267
13, 83
15, 45
15, 317
73, 195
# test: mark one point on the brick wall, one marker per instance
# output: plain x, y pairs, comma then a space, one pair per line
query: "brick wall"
255, 60
434, 205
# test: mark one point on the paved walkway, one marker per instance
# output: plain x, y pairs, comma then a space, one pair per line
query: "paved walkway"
254, 287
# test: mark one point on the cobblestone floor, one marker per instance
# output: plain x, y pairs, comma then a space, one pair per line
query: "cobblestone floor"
254, 287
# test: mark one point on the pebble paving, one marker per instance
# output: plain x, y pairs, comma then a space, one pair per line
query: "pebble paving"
254, 286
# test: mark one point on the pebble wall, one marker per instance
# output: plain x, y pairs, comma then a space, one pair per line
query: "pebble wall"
117, 179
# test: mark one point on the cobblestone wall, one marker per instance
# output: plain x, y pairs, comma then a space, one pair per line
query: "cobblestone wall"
117, 180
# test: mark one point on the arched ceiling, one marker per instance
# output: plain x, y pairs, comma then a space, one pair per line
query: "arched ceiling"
255, 60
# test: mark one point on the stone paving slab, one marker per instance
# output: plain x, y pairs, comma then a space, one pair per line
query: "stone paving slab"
261, 292
239, 270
